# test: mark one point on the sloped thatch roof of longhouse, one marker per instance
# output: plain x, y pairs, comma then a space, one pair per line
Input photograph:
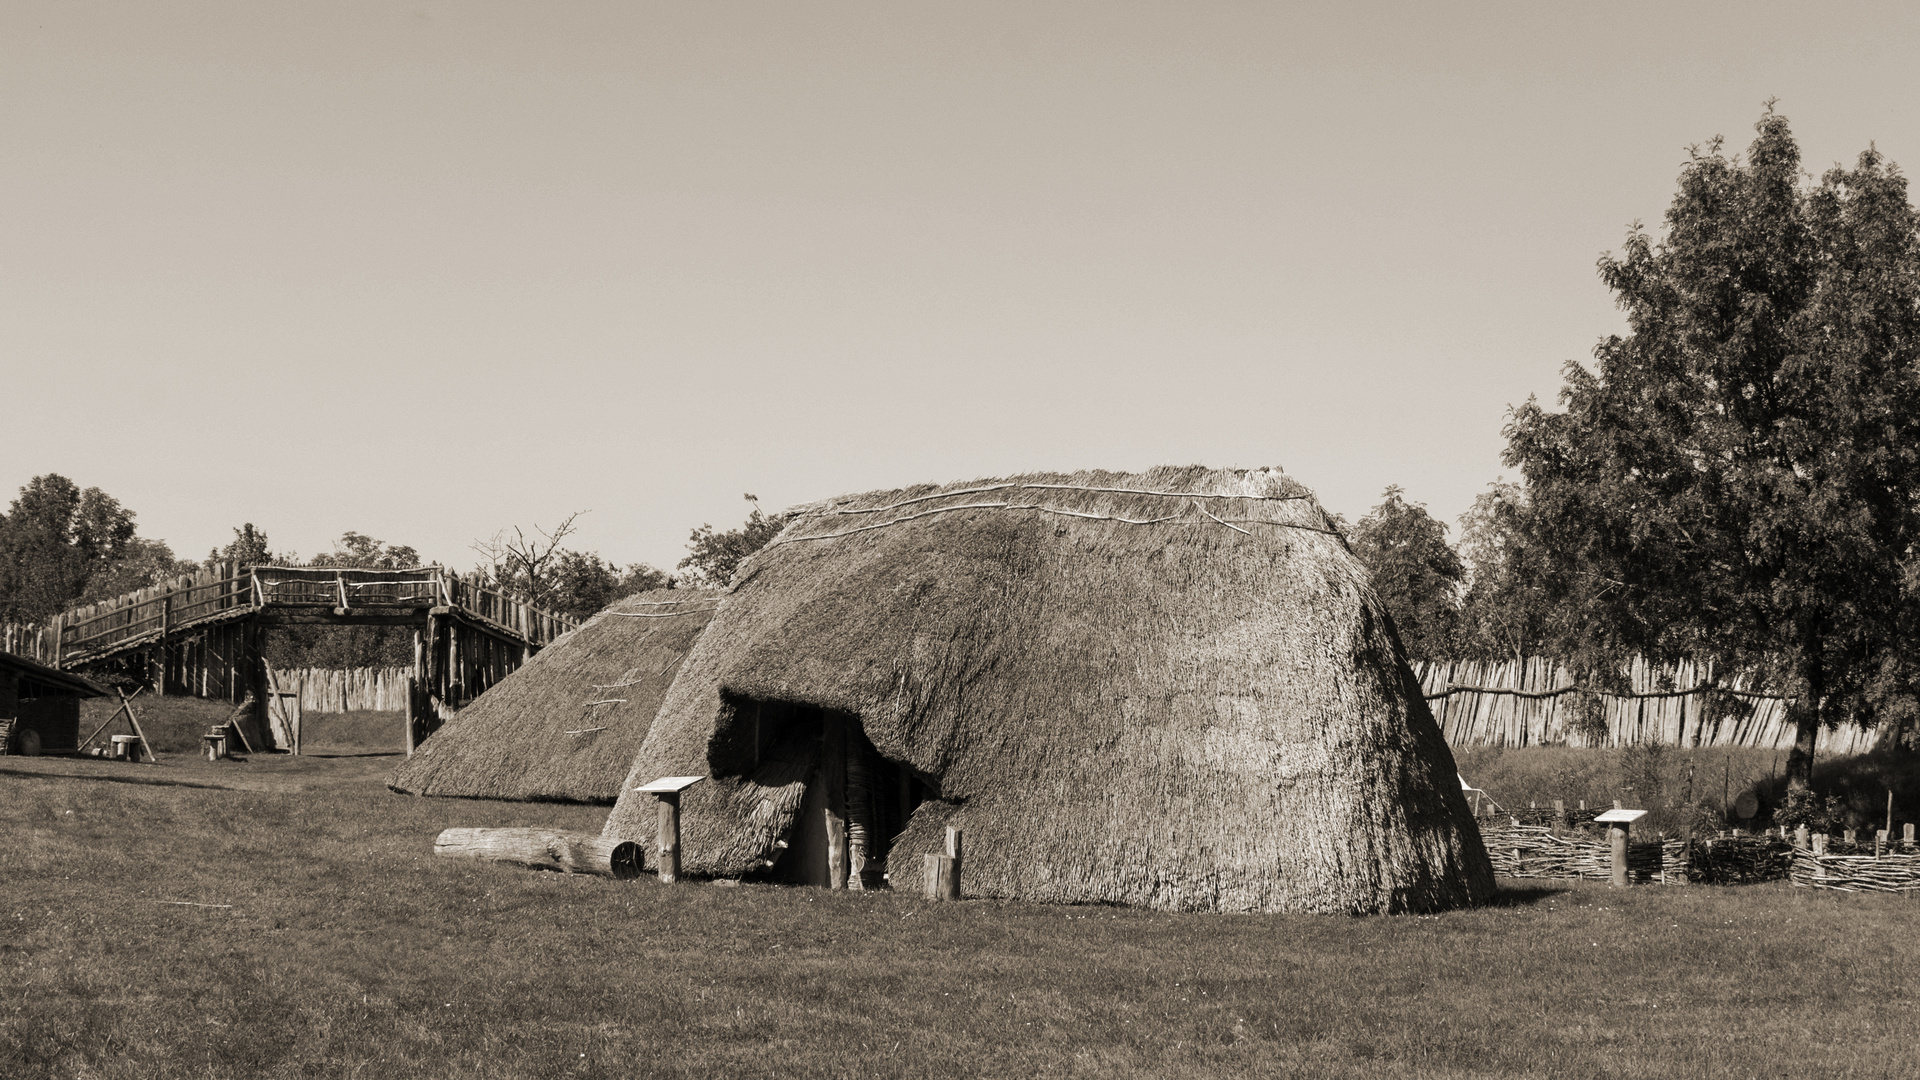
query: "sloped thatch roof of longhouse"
1173, 689
567, 724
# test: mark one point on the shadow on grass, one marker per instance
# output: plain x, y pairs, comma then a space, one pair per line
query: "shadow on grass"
109, 778
1513, 896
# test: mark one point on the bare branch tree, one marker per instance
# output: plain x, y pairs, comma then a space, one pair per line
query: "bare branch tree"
522, 565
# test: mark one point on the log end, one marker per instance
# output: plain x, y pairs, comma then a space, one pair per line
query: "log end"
627, 860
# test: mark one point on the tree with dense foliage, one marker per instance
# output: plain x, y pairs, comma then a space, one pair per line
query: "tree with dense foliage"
714, 556
247, 548
1737, 478
54, 539
1416, 574
363, 551
583, 583
140, 564
1509, 608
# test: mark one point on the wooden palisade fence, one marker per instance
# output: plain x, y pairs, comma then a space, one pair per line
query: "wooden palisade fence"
1535, 702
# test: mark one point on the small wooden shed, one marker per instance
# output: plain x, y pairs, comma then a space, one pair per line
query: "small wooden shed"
40, 706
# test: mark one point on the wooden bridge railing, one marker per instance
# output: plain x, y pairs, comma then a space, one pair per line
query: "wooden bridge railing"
346, 587
502, 610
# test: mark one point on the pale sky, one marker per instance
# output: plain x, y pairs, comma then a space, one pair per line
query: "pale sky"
427, 270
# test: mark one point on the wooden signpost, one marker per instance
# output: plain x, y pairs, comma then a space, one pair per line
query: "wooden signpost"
1617, 822
666, 792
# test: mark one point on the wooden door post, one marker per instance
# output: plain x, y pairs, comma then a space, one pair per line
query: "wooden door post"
666, 793
834, 767
416, 689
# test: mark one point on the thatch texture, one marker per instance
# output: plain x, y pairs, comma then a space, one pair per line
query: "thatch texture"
566, 725
1180, 694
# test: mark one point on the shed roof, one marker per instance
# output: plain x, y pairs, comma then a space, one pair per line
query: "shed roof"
42, 672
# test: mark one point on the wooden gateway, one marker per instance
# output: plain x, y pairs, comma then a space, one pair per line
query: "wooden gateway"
40, 707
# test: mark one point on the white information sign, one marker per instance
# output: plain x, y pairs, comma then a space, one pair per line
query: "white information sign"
667, 785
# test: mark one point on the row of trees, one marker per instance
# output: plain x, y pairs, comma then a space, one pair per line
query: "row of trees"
1736, 479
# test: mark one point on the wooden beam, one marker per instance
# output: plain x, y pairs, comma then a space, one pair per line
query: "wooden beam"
127, 704
273, 619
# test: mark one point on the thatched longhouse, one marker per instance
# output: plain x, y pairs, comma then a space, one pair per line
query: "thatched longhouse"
566, 725
1174, 689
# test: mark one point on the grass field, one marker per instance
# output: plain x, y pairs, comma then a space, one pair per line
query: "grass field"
174, 724
283, 917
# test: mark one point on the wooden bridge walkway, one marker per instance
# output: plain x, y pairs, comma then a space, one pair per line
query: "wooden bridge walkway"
200, 634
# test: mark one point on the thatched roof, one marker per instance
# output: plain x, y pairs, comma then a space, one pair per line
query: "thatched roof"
1173, 689
567, 724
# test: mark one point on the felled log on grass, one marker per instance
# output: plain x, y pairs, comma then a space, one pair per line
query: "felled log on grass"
544, 849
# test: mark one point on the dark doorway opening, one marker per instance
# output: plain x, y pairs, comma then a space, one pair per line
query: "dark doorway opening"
852, 792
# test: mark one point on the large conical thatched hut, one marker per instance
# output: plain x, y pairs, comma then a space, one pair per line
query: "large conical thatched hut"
567, 724
1174, 689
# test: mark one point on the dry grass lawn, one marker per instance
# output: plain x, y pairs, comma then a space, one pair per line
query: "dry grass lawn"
283, 917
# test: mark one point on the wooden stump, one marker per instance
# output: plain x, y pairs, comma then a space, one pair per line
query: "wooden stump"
943, 871
544, 849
